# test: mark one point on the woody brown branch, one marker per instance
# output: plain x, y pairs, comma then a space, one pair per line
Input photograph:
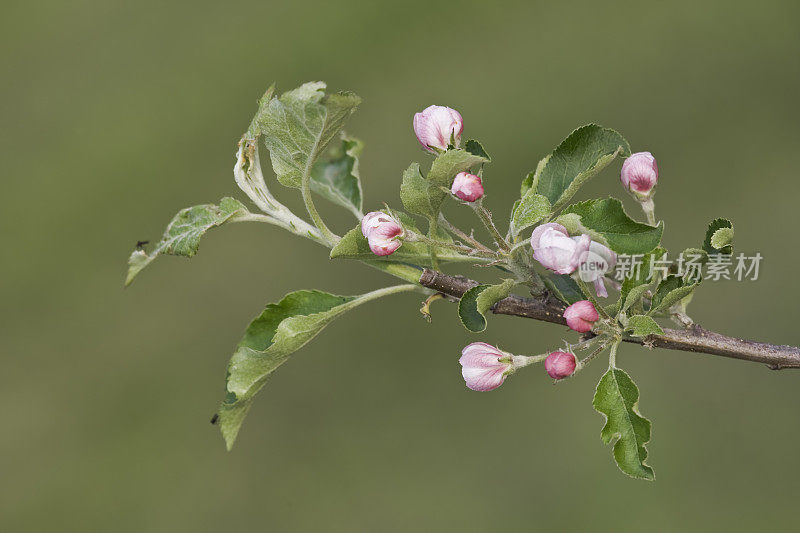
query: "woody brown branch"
695, 339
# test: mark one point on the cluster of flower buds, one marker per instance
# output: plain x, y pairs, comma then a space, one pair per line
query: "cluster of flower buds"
640, 174
383, 233
485, 367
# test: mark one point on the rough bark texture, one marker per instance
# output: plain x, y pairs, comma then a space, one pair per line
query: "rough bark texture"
694, 339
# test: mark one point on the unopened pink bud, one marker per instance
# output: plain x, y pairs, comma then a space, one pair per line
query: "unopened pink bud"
560, 365
640, 173
383, 232
556, 251
581, 316
467, 186
437, 127
485, 367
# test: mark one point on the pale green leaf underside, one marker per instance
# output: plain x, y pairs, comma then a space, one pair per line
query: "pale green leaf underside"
724, 238
336, 177
420, 196
634, 295
531, 209
579, 157
617, 398
476, 302
642, 326
299, 126
182, 236
606, 219
670, 291
445, 167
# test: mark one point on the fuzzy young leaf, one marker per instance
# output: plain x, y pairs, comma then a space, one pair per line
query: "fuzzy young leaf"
445, 167
336, 176
298, 127
271, 338
477, 301
420, 196
579, 157
670, 291
531, 209
617, 397
723, 230
531, 181
642, 326
182, 236
606, 221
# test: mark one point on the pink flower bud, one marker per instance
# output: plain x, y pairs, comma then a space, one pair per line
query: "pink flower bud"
437, 127
560, 365
581, 316
556, 251
485, 367
640, 173
383, 233
596, 264
467, 186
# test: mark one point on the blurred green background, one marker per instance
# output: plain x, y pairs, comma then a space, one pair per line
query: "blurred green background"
117, 114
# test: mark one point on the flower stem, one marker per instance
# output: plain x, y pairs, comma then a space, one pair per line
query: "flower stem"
461, 235
486, 218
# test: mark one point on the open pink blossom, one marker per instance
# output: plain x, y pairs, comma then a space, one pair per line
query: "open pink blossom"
640, 173
595, 264
485, 367
581, 316
467, 186
556, 251
560, 365
437, 127
384, 234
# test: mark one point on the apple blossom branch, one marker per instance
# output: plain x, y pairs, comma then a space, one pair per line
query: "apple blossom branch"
693, 339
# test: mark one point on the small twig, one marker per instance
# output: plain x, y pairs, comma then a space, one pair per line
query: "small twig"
694, 339
486, 218
461, 235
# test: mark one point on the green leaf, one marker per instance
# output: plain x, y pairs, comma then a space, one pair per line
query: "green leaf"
606, 221
336, 176
445, 167
300, 125
617, 397
720, 232
531, 209
634, 295
670, 291
579, 157
354, 246
642, 326
420, 196
477, 301
531, 181
271, 338
182, 236
563, 287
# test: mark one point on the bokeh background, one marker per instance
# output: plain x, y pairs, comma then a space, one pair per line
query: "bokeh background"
117, 114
